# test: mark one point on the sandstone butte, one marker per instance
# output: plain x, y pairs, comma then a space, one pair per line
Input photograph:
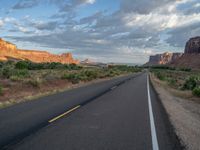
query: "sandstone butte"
9, 51
162, 59
190, 58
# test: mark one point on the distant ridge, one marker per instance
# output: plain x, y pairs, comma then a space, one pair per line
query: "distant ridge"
9, 51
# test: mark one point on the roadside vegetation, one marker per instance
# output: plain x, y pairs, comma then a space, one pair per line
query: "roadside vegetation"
183, 79
25, 78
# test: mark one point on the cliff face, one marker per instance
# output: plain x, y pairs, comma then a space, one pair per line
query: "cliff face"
191, 56
162, 59
193, 45
9, 51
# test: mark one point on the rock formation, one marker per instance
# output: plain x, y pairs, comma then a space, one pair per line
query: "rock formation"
193, 45
191, 56
162, 59
9, 51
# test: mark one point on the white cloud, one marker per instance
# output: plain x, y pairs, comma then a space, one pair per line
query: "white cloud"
1, 23
90, 1
197, 5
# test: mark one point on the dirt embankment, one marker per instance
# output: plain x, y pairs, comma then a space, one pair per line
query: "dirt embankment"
184, 114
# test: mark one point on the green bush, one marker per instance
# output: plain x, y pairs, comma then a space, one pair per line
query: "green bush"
90, 74
185, 69
7, 72
196, 91
21, 73
160, 75
191, 83
22, 65
171, 81
163, 67
74, 78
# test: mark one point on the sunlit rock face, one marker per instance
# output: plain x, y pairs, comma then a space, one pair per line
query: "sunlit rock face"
9, 51
193, 45
162, 59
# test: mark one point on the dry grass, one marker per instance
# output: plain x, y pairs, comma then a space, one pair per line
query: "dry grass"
183, 94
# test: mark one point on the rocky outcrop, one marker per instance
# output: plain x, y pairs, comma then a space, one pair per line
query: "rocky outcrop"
193, 45
162, 59
9, 51
191, 56
187, 61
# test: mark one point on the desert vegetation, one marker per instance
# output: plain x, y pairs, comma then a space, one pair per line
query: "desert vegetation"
183, 79
25, 78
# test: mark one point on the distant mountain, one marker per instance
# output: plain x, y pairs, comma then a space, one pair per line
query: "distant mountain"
9, 51
87, 61
189, 59
191, 56
163, 59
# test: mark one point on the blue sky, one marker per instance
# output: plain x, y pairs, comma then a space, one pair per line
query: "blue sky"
101, 30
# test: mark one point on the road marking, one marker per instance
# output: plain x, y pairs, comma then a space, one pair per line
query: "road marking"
113, 87
152, 124
67, 112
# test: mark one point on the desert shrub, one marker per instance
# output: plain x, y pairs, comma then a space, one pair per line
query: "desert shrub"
185, 69
163, 67
74, 67
35, 66
21, 73
7, 72
52, 65
90, 74
125, 68
15, 78
191, 83
34, 82
9, 63
74, 78
22, 65
1, 89
171, 81
196, 91
159, 75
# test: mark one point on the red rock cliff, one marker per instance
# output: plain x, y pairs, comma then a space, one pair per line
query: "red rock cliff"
10, 51
162, 59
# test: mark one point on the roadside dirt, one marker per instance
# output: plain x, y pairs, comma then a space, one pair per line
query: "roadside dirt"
16, 92
184, 115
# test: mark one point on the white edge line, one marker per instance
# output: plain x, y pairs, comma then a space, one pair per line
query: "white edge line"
152, 124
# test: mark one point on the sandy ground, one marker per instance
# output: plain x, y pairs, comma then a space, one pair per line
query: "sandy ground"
184, 115
17, 92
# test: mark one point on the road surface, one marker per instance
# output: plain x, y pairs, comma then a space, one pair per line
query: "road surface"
120, 114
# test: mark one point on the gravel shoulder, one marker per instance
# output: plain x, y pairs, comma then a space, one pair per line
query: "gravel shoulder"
184, 115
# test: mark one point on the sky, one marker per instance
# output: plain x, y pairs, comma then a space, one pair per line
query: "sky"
123, 31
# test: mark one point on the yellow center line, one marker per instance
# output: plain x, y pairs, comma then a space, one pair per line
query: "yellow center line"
67, 112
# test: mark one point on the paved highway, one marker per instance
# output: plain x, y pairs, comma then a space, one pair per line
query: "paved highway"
120, 114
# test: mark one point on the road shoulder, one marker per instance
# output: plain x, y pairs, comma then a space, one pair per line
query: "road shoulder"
183, 114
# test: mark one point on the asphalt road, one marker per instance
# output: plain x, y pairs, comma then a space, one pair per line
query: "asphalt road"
119, 114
